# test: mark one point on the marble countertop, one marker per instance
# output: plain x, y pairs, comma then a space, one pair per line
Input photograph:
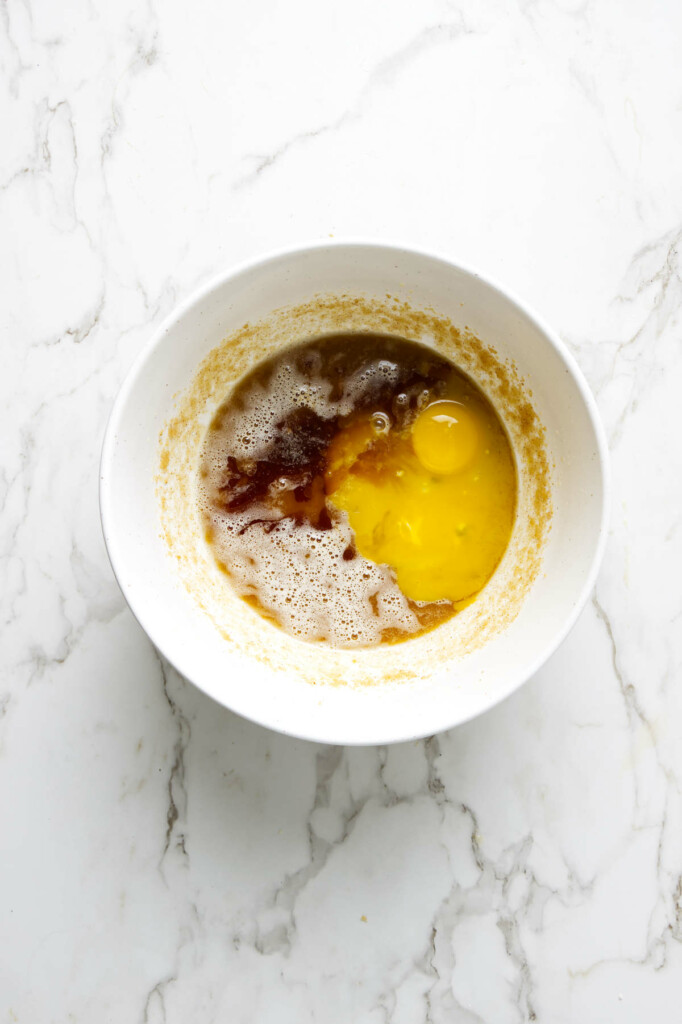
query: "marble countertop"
164, 861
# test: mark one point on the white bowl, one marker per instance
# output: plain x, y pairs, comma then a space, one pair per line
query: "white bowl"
268, 678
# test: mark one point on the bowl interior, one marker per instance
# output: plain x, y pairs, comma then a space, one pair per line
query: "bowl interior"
457, 687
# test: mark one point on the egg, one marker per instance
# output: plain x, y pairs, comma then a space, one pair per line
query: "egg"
445, 437
436, 501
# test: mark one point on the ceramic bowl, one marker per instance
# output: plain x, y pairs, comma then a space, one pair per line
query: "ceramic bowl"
390, 693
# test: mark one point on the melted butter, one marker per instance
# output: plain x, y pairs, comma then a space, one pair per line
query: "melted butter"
434, 501
357, 489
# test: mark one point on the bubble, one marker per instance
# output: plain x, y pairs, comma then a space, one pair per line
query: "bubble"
380, 422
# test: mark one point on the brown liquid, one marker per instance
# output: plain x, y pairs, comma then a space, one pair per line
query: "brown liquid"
264, 493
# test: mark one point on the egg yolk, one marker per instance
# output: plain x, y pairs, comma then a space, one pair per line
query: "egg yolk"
445, 437
435, 501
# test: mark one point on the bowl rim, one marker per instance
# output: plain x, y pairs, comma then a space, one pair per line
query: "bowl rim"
232, 273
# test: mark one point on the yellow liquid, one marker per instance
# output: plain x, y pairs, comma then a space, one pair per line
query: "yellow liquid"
434, 501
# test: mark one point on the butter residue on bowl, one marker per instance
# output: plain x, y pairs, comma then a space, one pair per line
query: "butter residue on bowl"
243, 629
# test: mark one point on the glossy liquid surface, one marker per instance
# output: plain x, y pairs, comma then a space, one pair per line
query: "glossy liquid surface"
357, 489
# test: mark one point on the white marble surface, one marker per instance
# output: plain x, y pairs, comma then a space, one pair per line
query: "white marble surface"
163, 861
